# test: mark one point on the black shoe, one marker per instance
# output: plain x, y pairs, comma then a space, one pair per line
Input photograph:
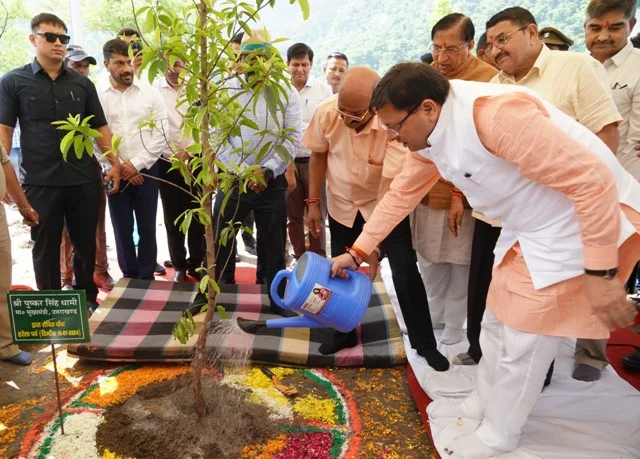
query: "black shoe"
91, 308
632, 361
282, 312
251, 250
340, 341
179, 276
196, 273
168, 264
435, 359
160, 271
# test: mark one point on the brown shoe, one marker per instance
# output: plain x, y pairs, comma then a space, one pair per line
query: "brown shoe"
104, 281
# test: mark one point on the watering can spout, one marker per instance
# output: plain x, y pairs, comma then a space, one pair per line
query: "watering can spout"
295, 322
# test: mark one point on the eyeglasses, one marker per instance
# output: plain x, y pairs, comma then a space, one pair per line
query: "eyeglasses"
502, 40
435, 49
52, 37
358, 118
395, 131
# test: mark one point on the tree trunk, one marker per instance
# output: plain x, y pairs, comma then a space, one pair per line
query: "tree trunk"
209, 155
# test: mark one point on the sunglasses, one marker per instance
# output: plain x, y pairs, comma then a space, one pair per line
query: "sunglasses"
52, 37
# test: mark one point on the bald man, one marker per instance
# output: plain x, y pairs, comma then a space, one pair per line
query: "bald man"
352, 152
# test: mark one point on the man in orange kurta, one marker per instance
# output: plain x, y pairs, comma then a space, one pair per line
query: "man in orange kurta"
571, 230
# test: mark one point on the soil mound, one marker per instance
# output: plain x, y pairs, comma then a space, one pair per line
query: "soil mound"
160, 421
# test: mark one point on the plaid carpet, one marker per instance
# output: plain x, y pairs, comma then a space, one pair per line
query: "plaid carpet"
134, 324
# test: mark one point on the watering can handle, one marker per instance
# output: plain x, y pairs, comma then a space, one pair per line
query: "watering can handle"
277, 280
350, 272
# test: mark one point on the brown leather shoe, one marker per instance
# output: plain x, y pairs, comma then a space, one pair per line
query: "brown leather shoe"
104, 281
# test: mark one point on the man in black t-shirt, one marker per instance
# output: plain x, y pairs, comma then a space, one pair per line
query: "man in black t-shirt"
36, 95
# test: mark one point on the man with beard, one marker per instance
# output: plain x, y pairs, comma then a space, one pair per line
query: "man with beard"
175, 201
36, 95
571, 231
577, 85
127, 103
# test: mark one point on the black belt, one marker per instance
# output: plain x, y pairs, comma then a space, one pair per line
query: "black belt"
302, 160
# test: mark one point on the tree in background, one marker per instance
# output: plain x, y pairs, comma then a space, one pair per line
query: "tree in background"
443, 8
109, 16
12, 14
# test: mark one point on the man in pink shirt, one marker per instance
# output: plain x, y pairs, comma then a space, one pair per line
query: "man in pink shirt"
571, 230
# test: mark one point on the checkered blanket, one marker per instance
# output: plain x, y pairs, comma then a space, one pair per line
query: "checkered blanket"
134, 323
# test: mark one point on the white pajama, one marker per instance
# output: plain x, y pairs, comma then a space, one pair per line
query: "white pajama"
510, 378
447, 286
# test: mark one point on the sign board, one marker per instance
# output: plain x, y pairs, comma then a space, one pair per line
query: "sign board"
49, 316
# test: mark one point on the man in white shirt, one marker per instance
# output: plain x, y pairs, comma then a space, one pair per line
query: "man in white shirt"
267, 201
607, 33
311, 92
127, 103
337, 64
174, 201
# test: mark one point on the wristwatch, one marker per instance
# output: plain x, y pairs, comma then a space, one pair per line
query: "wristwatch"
268, 174
604, 273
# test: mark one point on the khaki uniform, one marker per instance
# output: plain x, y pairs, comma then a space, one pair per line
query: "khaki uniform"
7, 349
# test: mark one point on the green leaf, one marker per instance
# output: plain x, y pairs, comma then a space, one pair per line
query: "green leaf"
250, 124
88, 145
78, 146
304, 6
203, 283
85, 122
272, 104
165, 19
65, 144
194, 148
214, 284
283, 153
222, 311
66, 127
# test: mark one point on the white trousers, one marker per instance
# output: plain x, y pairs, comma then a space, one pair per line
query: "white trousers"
510, 378
447, 286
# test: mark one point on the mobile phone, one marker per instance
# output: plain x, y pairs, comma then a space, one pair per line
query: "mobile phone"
108, 186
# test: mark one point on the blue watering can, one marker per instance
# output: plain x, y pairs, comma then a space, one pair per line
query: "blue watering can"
321, 300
